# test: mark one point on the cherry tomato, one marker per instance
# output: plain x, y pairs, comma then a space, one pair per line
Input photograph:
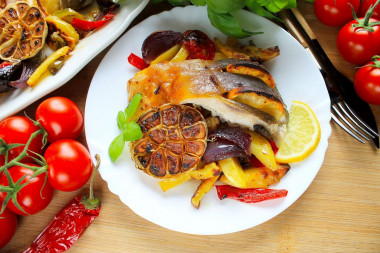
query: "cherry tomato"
364, 6
367, 84
199, 45
17, 129
335, 12
69, 165
356, 45
31, 198
61, 118
8, 225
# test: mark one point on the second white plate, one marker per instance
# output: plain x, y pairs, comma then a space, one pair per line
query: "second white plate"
297, 78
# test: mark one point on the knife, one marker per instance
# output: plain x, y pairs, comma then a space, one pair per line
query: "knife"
336, 82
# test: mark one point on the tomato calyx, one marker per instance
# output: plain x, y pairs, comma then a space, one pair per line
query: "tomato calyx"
14, 187
90, 202
364, 23
376, 62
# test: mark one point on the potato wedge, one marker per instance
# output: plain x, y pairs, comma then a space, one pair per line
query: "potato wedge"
181, 55
261, 54
172, 182
230, 51
209, 171
261, 101
167, 55
258, 72
233, 171
261, 148
202, 189
261, 177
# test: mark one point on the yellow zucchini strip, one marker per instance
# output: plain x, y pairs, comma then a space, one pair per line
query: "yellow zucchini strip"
33, 79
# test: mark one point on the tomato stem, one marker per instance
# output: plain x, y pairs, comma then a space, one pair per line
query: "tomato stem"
364, 23
90, 202
97, 157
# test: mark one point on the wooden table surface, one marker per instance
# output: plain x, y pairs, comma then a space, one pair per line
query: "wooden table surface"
340, 211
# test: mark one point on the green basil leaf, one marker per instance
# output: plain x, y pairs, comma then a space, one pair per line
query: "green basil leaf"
225, 6
116, 147
179, 2
132, 132
121, 120
273, 5
292, 4
132, 107
198, 2
228, 24
259, 10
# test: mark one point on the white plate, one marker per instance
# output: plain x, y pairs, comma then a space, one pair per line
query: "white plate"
297, 78
14, 101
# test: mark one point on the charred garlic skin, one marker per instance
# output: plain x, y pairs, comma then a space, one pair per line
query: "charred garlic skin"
23, 30
174, 140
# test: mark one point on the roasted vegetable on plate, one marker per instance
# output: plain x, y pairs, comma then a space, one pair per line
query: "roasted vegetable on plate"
30, 30
208, 111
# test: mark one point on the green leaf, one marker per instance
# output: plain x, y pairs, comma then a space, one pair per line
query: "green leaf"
132, 132
132, 107
116, 147
228, 24
121, 120
225, 6
198, 2
179, 2
292, 4
273, 5
259, 10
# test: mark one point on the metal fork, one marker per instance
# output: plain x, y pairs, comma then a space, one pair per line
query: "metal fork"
337, 84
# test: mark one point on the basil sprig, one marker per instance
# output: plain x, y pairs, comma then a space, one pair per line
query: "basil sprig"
130, 130
221, 12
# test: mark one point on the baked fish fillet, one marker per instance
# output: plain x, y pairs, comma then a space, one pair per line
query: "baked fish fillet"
239, 99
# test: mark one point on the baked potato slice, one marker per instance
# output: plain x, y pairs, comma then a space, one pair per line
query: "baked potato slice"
260, 177
202, 189
263, 102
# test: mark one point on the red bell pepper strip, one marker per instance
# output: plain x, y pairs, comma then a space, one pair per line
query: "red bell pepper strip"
274, 146
4, 64
69, 224
251, 195
137, 62
91, 25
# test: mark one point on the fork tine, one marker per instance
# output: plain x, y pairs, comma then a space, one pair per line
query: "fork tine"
347, 123
345, 128
362, 122
341, 107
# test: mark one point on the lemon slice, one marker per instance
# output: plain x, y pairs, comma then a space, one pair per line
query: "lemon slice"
303, 134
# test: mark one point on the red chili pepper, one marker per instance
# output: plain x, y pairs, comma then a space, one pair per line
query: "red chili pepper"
91, 25
251, 195
199, 45
137, 61
4, 64
69, 224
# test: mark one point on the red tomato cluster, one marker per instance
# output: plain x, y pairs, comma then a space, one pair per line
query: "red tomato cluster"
358, 40
67, 167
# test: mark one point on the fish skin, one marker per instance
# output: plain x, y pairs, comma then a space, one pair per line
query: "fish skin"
204, 83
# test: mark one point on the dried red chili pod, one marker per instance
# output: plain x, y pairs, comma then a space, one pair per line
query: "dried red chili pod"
69, 224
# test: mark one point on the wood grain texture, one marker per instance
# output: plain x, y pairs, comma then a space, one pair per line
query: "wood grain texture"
338, 213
